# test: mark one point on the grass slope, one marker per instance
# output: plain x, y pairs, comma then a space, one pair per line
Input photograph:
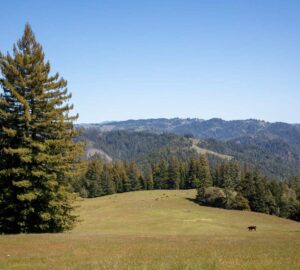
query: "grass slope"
158, 230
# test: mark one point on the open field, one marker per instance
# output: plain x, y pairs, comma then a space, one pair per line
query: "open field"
158, 230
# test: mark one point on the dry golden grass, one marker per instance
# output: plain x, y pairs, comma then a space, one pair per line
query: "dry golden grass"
158, 230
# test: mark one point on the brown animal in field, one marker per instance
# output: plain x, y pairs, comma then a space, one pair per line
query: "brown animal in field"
252, 228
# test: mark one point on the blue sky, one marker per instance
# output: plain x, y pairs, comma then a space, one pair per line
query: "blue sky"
148, 59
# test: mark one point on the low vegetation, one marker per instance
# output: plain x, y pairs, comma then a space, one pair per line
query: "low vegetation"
159, 229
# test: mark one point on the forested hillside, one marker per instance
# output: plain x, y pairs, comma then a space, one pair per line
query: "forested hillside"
229, 185
273, 148
274, 156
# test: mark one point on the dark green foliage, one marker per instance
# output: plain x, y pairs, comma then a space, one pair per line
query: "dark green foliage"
37, 149
198, 173
160, 175
141, 147
228, 175
108, 185
240, 203
119, 176
134, 177
193, 180
272, 147
148, 179
212, 196
240, 189
173, 174
249, 191
204, 172
90, 185
274, 156
222, 198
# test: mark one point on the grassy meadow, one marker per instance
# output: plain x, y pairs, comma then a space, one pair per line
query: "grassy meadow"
158, 230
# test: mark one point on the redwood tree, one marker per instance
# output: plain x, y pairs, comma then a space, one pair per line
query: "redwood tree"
37, 150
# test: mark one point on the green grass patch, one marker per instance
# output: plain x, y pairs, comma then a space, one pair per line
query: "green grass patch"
158, 230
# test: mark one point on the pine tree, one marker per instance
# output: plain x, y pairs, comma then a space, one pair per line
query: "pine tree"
163, 174
183, 172
126, 183
119, 176
160, 175
173, 174
93, 178
234, 174
134, 176
148, 178
37, 151
204, 172
193, 174
107, 182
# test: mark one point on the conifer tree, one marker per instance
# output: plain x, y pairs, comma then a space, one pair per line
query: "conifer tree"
204, 172
173, 174
119, 176
183, 174
93, 178
126, 183
37, 151
108, 185
134, 177
148, 179
193, 174
160, 177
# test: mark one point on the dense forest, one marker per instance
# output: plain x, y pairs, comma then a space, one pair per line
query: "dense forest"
229, 185
277, 156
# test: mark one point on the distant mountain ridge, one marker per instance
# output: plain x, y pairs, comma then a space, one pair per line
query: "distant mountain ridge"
273, 147
214, 128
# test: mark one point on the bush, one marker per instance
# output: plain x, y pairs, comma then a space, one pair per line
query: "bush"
218, 197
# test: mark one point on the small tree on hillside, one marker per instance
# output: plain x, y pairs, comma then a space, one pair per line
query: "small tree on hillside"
37, 151
173, 174
204, 172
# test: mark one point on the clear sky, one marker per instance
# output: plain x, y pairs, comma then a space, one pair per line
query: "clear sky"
131, 59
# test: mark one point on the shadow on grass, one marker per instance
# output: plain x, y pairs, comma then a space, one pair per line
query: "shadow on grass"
192, 200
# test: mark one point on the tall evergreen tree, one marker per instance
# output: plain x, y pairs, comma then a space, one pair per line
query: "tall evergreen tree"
134, 177
173, 174
148, 178
204, 172
93, 178
193, 180
183, 174
160, 175
119, 176
37, 150
107, 182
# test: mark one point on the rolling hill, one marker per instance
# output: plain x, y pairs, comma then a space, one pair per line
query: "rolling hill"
214, 128
272, 147
142, 147
158, 230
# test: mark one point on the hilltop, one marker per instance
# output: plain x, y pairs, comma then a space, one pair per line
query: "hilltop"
214, 128
158, 230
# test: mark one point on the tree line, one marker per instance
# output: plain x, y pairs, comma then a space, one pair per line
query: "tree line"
228, 185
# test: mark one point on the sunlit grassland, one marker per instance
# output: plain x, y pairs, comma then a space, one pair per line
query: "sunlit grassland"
158, 230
